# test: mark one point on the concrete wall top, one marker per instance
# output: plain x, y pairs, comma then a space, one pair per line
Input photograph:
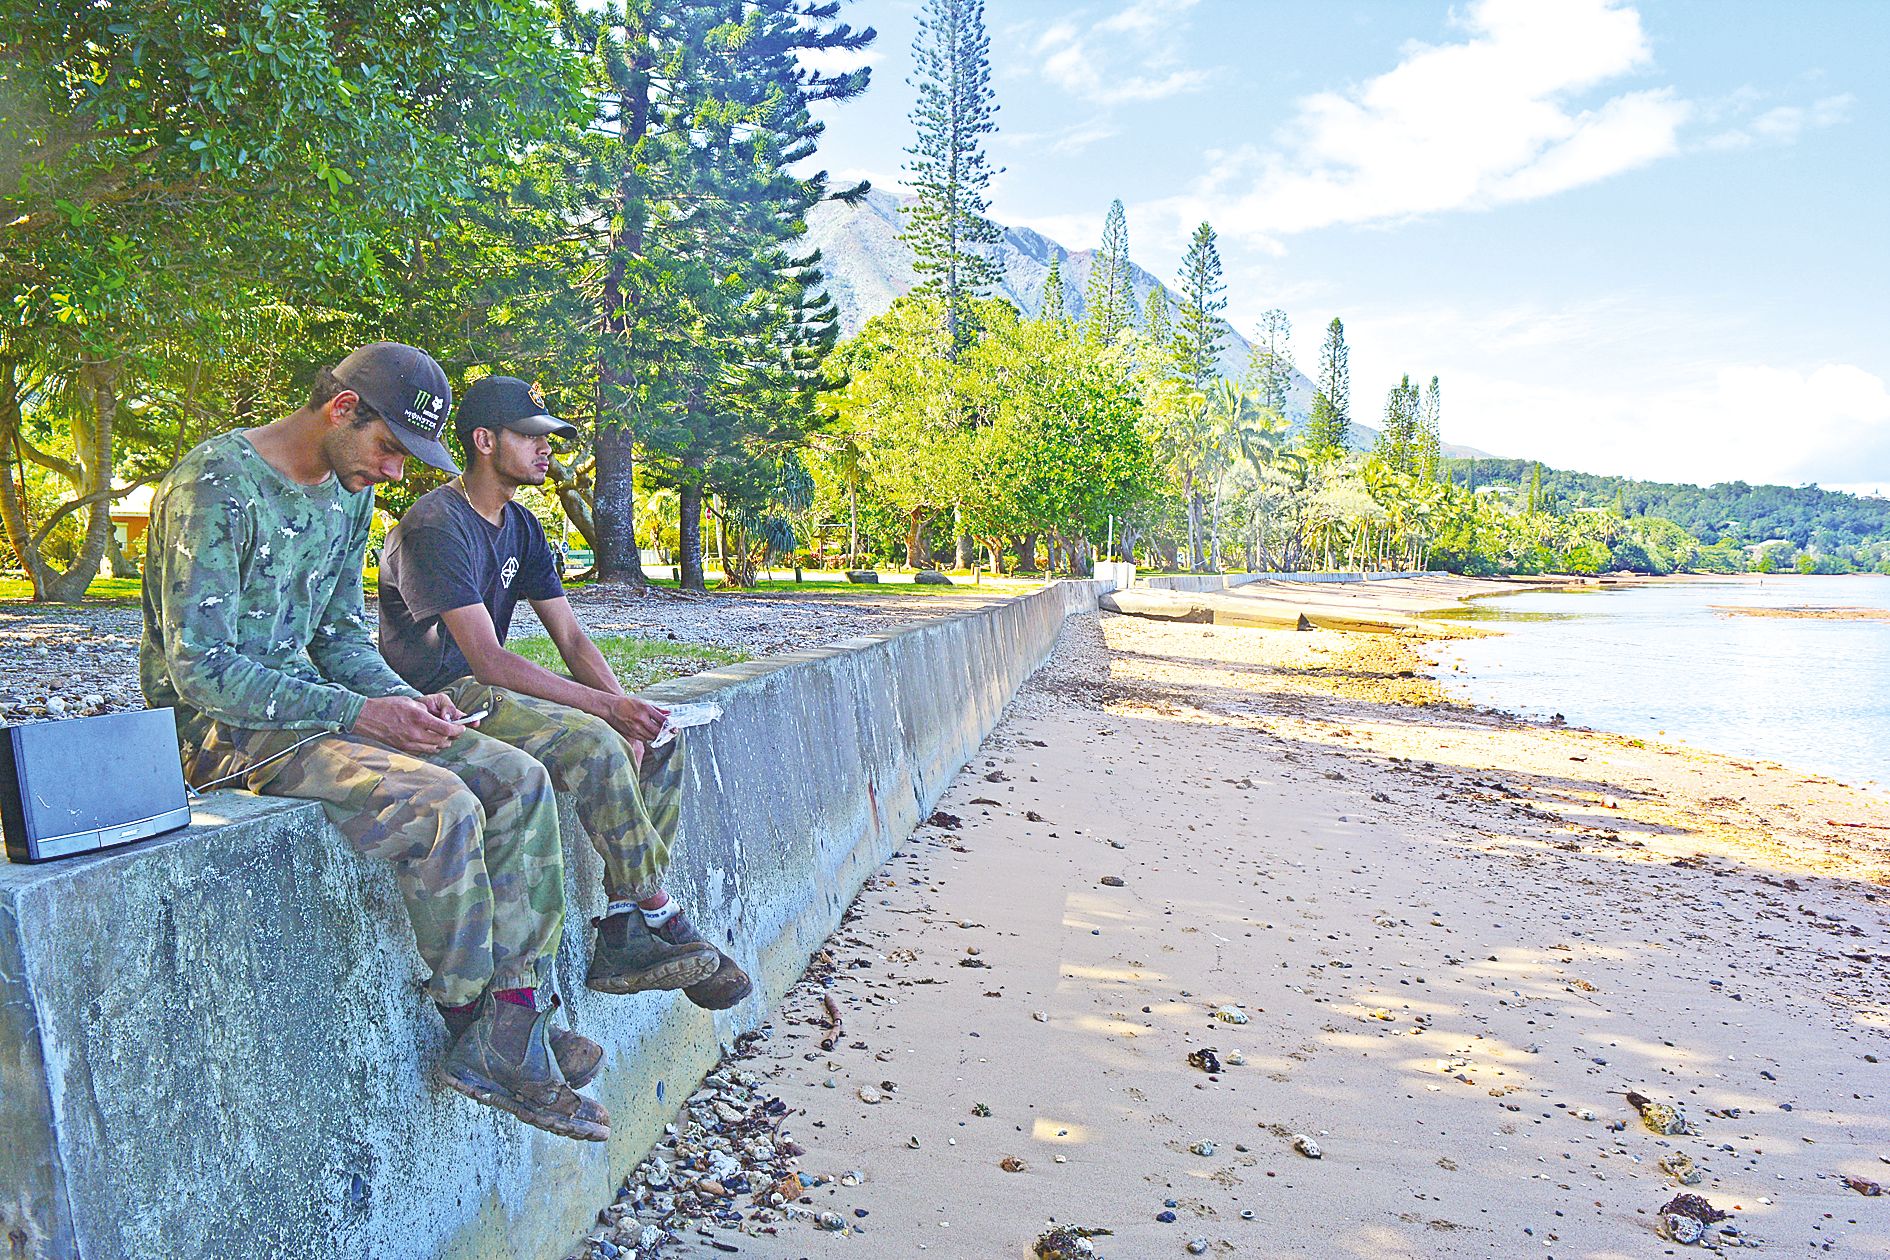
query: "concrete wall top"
214, 1044
1196, 583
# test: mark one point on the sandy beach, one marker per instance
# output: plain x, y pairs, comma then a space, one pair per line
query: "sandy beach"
1458, 942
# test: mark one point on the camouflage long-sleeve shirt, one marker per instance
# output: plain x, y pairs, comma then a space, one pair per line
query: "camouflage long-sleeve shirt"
253, 613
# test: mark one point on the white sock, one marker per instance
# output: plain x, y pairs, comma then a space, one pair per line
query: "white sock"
620, 907
657, 918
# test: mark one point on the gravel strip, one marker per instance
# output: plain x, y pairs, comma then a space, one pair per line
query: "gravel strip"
65, 661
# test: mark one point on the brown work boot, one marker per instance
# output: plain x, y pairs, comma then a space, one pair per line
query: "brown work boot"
504, 1060
578, 1056
723, 987
629, 958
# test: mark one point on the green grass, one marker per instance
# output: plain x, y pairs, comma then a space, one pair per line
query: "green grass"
107, 590
638, 662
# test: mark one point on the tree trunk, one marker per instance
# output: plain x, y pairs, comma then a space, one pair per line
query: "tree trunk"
1027, 554
721, 541
915, 537
115, 558
689, 537
965, 545
92, 451
853, 525
1214, 535
577, 507
12, 472
1194, 522
613, 522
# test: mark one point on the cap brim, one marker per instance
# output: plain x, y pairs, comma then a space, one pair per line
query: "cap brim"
429, 451
540, 425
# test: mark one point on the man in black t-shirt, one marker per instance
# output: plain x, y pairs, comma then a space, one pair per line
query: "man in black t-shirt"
452, 572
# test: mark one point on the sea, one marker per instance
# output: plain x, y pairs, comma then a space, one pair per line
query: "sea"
1665, 661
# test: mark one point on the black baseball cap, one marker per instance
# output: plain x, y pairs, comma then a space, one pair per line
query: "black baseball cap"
406, 388
506, 402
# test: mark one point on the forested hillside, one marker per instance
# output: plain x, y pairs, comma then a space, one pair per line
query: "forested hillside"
1803, 515
1832, 529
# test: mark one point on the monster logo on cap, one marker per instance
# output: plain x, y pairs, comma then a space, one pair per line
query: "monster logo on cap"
428, 413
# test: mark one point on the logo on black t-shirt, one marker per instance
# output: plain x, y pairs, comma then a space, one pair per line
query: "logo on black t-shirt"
508, 572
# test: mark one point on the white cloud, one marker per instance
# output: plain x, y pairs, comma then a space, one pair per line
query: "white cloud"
1784, 124
1088, 61
1737, 422
1630, 384
1072, 139
1145, 17
1467, 125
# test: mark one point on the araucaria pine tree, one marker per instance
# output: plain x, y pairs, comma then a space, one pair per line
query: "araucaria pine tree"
1430, 431
1158, 335
1199, 335
1199, 330
947, 228
1109, 297
1398, 444
687, 194
1329, 430
1270, 371
1051, 308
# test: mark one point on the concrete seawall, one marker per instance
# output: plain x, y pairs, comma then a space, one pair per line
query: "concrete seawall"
214, 1044
1199, 583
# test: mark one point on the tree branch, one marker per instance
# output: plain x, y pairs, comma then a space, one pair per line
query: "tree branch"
67, 509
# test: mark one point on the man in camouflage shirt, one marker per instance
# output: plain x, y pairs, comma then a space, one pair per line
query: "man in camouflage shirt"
254, 633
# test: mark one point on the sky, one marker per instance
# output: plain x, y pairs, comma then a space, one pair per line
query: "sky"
1649, 239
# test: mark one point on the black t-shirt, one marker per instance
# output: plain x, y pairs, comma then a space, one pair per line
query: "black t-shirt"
444, 555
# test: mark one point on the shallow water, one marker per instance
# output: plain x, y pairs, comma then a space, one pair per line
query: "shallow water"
1661, 662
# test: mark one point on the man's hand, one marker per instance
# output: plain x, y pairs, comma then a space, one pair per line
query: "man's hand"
407, 724
636, 720
441, 706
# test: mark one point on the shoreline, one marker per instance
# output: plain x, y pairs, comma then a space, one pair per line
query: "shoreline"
1459, 938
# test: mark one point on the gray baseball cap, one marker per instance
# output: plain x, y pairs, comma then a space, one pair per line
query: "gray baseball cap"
406, 388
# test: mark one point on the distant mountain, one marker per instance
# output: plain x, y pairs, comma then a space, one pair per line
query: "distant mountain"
868, 266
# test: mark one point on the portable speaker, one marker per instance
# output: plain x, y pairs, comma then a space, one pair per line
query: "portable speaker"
83, 784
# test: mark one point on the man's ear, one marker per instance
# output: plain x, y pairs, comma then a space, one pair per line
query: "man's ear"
341, 409
485, 441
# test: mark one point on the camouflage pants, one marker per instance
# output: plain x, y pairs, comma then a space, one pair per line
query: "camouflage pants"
629, 812
472, 832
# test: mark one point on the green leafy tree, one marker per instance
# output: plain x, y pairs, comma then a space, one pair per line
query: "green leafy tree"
947, 225
1061, 451
1329, 429
900, 400
157, 164
1109, 296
